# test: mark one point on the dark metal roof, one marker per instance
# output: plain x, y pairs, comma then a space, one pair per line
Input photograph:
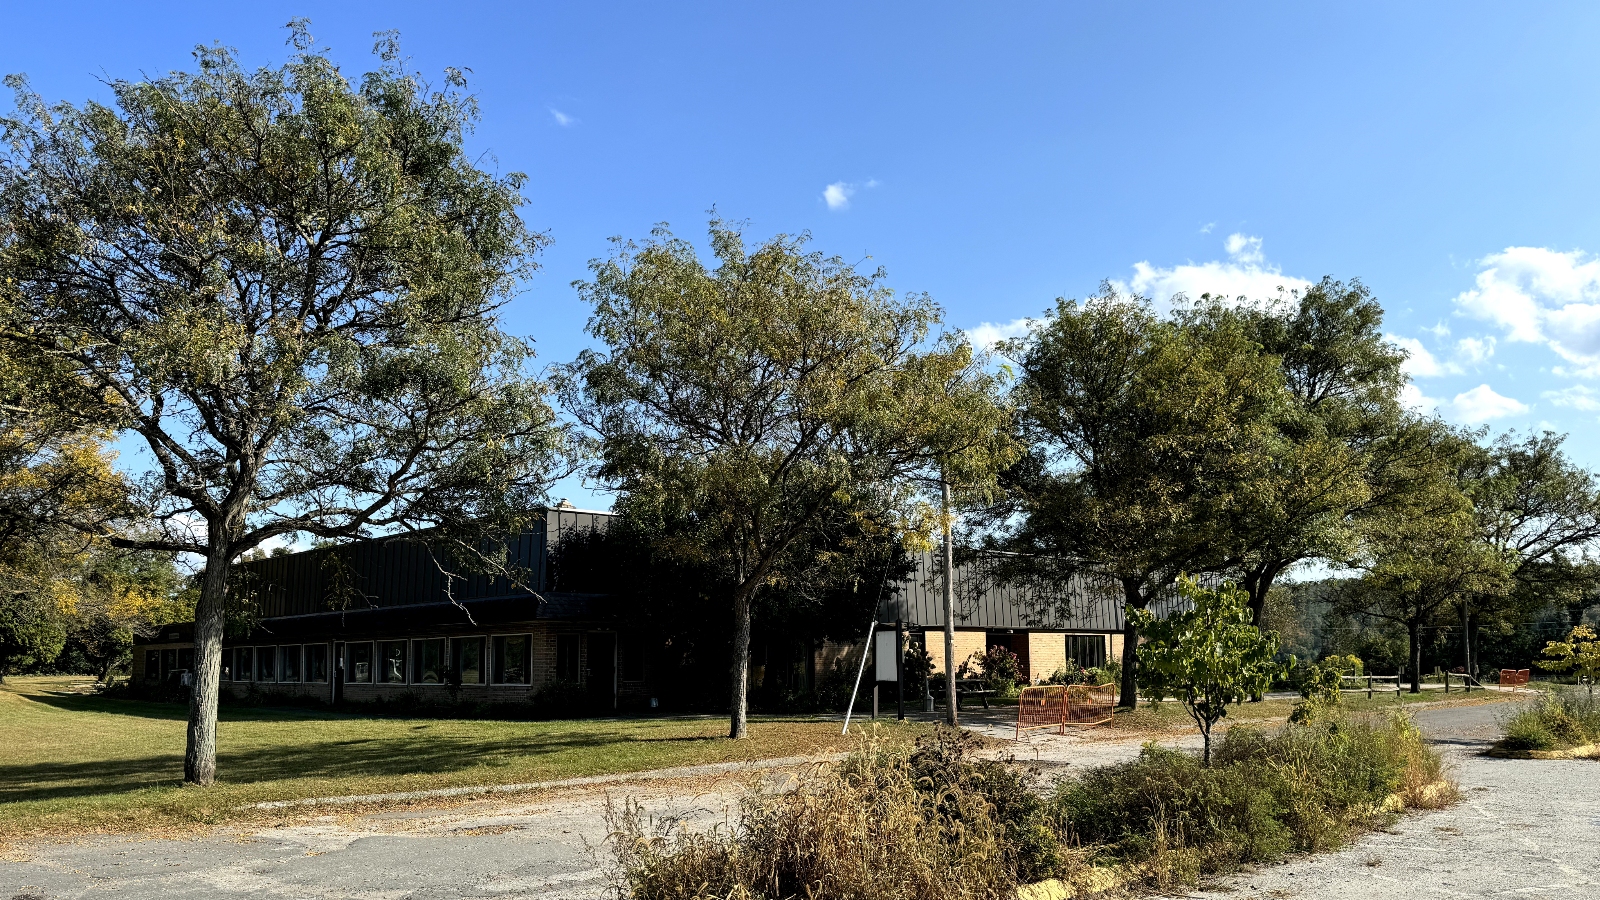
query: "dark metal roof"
1083, 600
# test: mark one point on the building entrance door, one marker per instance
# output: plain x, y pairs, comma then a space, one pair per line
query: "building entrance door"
603, 669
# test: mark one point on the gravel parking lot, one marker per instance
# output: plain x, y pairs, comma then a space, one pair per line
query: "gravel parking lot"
1525, 829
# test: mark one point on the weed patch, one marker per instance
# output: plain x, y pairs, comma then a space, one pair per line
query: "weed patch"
1556, 721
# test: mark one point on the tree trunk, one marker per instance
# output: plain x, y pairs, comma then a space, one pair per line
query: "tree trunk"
1414, 631
738, 727
1205, 737
1128, 696
949, 613
1466, 638
210, 622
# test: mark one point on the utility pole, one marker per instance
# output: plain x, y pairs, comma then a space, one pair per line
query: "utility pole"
949, 612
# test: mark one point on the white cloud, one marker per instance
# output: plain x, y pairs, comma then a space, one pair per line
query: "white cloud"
1246, 273
1206, 228
1440, 330
1419, 362
838, 194
1482, 404
561, 118
1579, 397
1413, 398
1472, 350
988, 334
1542, 296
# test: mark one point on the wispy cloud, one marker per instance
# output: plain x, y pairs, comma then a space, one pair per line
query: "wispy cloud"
1206, 228
1244, 274
1580, 397
1482, 404
562, 118
838, 194
1419, 362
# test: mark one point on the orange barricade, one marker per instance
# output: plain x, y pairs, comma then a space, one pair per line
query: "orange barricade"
1041, 707
1090, 704
1514, 678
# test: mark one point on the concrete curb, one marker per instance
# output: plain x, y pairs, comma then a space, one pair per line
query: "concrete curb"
526, 787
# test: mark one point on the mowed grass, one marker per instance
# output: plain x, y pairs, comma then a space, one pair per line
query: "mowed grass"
71, 761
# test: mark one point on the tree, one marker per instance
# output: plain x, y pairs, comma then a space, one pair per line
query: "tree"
776, 391
1425, 553
122, 594
1209, 656
1332, 438
1141, 433
1541, 513
286, 287
1578, 654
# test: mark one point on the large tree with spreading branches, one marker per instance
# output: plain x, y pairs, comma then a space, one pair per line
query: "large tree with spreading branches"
284, 286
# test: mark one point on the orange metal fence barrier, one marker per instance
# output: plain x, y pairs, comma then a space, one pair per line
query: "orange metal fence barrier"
1041, 707
1057, 706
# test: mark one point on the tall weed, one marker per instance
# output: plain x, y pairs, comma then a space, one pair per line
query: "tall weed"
1559, 720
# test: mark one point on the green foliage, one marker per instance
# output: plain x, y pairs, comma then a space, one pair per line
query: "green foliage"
287, 286
758, 400
32, 630
998, 667
1208, 656
1072, 673
1559, 720
1578, 654
1321, 686
1306, 788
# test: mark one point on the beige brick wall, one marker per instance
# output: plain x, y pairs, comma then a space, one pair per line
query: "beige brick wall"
966, 644
1116, 648
1047, 652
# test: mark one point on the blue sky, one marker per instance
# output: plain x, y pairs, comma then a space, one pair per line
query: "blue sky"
997, 156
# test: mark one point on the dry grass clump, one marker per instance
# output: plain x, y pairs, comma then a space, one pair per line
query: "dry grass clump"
932, 824
1559, 720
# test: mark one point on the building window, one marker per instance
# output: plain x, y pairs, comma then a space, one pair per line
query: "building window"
630, 659
289, 663
360, 671
511, 659
467, 659
567, 657
392, 662
1087, 650
317, 662
266, 664
152, 665
169, 661
186, 659
428, 659
244, 663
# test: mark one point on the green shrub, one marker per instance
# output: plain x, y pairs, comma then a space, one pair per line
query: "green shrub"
1559, 720
1305, 788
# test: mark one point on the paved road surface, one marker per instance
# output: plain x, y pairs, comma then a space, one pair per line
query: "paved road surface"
1526, 829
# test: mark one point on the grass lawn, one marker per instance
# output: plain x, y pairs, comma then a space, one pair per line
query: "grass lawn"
73, 761
1171, 716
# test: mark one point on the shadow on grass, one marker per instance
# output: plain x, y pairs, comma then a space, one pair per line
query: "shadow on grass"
419, 750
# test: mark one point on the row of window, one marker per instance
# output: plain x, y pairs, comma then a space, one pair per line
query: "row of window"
420, 661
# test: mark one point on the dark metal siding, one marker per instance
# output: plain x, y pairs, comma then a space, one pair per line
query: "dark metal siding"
1083, 601
387, 573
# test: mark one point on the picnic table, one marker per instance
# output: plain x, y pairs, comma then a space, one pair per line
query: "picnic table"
972, 687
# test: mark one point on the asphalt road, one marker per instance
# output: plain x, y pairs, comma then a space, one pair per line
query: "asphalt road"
1525, 829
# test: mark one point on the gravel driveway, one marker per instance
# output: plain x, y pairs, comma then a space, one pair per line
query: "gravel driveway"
1526, 829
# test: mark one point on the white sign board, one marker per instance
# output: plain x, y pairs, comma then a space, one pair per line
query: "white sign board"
885, 647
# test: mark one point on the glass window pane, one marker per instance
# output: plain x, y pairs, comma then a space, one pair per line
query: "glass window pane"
169, 661
467, 660
360, 671
631, 652
244, 664
511, 659
289, 663
429, 661
392, 662
266, 664
152, 665
567, 657
186, 659
316, 662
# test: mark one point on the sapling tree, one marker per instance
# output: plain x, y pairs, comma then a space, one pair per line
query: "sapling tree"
284, 286
1578, 654
1208, 657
